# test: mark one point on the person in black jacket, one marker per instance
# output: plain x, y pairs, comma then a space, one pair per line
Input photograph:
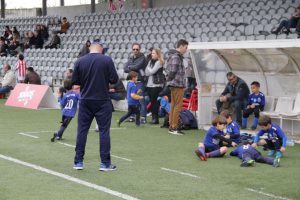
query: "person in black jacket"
293, 22
137, 63
55, 41
235, 93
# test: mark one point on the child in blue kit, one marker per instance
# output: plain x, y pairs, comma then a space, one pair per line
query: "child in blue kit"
276, 138
249, 155
232, 128
256, 103
68, 102
214, 144
133, 99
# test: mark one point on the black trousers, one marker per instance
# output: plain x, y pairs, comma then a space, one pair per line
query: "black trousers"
249, 111
153, 93
132, 110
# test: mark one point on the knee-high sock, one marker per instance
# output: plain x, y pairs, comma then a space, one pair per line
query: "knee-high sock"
216, 153
60, 132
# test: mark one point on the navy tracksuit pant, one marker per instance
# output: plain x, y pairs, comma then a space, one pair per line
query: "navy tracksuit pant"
102, 111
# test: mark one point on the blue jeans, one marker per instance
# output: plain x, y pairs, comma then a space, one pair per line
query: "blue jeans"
291, 23
143, 111
116, 96
5, 89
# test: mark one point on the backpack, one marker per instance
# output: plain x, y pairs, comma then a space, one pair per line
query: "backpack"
187, 120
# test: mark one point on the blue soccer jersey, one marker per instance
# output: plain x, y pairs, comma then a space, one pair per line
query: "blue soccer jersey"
233, 130
242, 149
275, 132
257, 100
211, 139
69, 103
132, 89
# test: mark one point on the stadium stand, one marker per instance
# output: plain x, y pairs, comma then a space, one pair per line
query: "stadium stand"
156, 27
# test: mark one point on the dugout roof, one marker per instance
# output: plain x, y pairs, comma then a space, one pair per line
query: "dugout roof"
274, 63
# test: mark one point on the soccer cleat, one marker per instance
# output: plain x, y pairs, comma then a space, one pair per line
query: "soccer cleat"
271, 153
278, 154
78, 166
118, 123
247, 163
106, 168
201, 154
55, 137
276, 162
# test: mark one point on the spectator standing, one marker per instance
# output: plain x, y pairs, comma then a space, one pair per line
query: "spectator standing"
176, 83
156, 79
21, 67
32, 77
137, 62
65, 25
293, 22
94, 72
235, 93
9, 80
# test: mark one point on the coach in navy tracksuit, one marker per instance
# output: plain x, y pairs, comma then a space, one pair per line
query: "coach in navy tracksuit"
94, 72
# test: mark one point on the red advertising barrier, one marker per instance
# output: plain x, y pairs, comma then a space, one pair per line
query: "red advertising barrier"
32, 97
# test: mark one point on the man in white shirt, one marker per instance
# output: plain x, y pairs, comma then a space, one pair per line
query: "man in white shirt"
9, 80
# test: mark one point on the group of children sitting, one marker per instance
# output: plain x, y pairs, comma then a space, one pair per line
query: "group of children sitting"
216, 141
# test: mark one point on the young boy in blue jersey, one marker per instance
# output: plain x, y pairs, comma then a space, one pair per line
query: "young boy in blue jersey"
276, 138
249, 155
232, 128
215, 142
133, 99
256, 103
68, 103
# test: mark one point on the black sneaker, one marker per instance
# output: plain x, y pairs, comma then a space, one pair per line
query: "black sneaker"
176, 132
53, 138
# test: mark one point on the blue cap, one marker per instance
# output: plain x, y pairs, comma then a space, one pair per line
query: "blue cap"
97, 41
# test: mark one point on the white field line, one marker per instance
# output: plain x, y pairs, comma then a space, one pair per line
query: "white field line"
70, 178
267, 194
181, 173
28, 135
40, 132
73, 146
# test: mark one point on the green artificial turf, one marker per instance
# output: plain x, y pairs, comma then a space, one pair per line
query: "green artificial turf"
149, 147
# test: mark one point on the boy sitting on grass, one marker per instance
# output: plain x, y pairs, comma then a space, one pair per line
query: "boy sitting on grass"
249, 155
256, 103
215, 142
232, 128
276, 141
133, 99
68, 102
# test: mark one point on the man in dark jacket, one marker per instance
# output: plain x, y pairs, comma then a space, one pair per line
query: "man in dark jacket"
32, 77
235, 93
137, 63
94, 72
176, 83
55, 41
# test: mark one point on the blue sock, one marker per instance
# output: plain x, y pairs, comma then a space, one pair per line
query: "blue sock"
244, 122
255, 122
216, 153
